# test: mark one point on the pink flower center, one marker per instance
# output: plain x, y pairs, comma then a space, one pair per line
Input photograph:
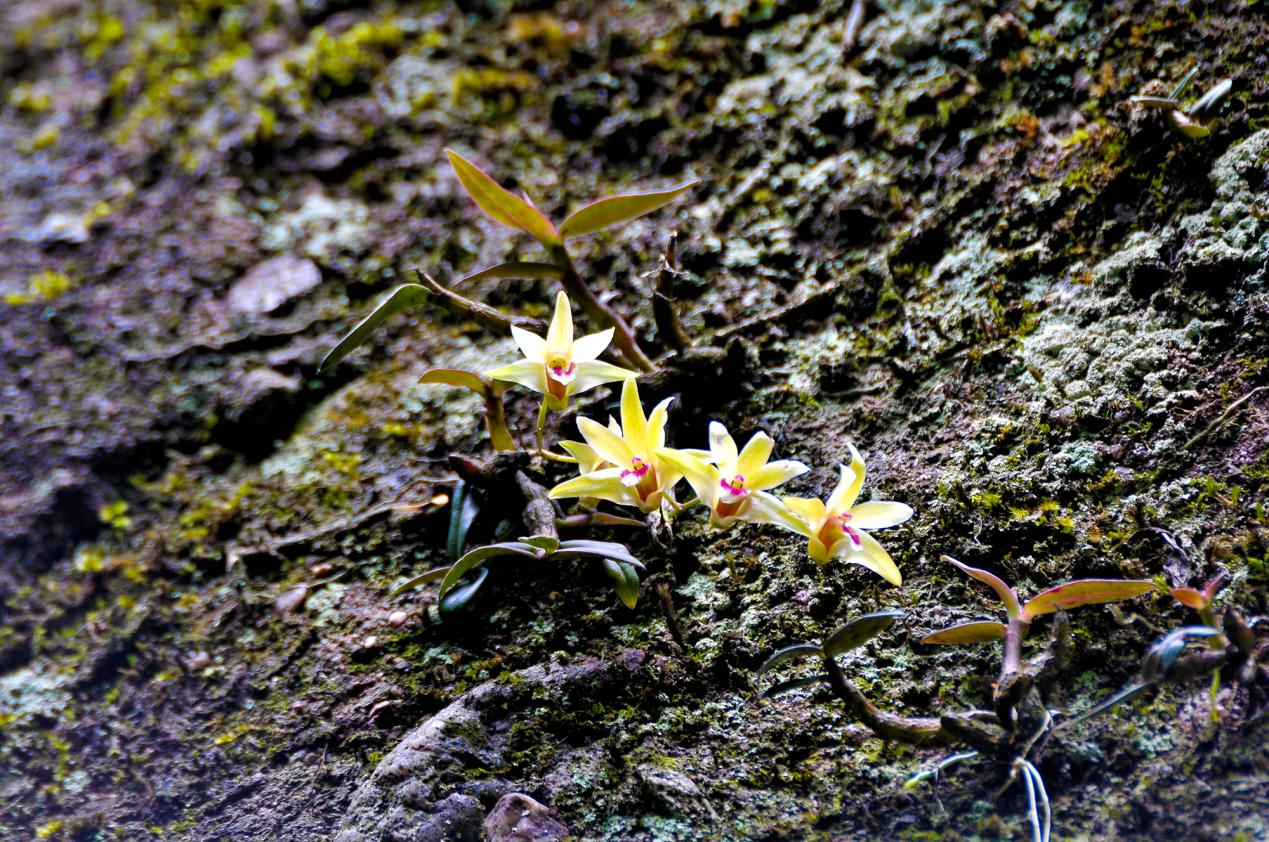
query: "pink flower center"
835, 529
733, 489
638, 470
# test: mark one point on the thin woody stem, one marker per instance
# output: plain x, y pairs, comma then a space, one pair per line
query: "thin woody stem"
599, 312
910, 729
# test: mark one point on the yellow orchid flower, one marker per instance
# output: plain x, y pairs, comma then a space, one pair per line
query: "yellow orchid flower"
835, 527
735, 485
623, 464
559, 366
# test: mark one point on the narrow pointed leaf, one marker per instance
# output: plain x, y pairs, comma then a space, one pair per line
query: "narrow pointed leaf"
406, 295
458, 598
479, 556
1190, 598
614, 210
462, 511
789, 653
456, 377
625, 580
859, 631
432, 575
1130, 692
603, 549
1002, 589
789, 686
1085, 592
530, 271
983, 631
501, 204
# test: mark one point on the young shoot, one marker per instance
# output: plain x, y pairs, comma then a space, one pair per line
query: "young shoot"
505, 207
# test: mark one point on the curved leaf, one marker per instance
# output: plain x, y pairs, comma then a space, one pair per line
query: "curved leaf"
614, 210
602, 549
1163, 655
1132, 691
789, 653
458, 598
625, 581
406, 295
501, 204
789, 686
514, 270
1085, 592
479, 556
983, 631
421, 579
859, 631
1190, 598
462, 511
546, 543
1002, 589
456, 377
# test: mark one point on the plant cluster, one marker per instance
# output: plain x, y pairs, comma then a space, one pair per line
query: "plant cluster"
625, 461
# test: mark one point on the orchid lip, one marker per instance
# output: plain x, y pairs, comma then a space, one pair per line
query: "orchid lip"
635, 474
735, 489
562, 372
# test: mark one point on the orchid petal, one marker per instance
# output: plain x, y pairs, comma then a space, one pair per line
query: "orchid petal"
879, 514
808, 509
559, 336
585, 455
767, 508
531, 345
611, 447
699, 474
634, 424
772, 474
526, 373
656, 425
847, 490
723, 447
754, 455
592, 374
869, 554
591, 346
604, 484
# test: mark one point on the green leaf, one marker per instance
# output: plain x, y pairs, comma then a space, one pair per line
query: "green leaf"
458, 598
421, 579
513, 270
1006, 593
983, 631
789, 653
406, 295
1163, 655
625, 581
1132, 691
546, 543
614, 210
1085, 592
602, 549
859, 631
462, 511
789, 686
456, 377
479, 556
501, 204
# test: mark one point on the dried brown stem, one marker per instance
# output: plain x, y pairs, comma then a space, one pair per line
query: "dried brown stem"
909, 729
599, 312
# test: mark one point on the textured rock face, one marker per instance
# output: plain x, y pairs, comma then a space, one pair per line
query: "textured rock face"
518, 818
942, 235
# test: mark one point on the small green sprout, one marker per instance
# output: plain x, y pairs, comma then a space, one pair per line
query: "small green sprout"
505, 207
834, 528
734, 484
635, 471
